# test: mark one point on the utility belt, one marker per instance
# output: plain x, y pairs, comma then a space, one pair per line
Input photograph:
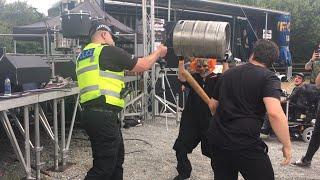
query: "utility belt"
100, 105
101, 109
109, 110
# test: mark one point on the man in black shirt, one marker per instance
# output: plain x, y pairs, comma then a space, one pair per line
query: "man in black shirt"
100, 72
195, 118
240, 101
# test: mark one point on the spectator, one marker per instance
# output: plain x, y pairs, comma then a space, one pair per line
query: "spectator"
313, 64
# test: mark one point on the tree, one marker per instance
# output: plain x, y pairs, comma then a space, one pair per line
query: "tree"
20, 13
5, 41
2, 3
16, 14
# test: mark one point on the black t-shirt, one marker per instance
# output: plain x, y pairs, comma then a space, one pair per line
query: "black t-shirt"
239, 116
295, 94
194, 104
305, 96
114, 59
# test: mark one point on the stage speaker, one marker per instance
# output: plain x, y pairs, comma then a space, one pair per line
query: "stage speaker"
66, 69
23, 71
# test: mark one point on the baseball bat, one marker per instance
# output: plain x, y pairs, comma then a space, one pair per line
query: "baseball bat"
195, 86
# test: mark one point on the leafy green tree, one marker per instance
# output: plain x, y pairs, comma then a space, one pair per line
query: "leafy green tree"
16, 14
20, 13
5, 41
2, 3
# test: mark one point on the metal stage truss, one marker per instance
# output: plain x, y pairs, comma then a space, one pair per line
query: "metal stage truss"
30, 101
148, 99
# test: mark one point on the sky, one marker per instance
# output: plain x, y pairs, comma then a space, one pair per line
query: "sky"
41, 5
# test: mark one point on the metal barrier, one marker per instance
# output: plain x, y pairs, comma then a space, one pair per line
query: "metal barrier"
32, 100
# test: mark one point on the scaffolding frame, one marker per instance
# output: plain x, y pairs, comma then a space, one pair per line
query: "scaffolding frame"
148, 98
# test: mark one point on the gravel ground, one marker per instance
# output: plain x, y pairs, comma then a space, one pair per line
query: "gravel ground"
149, 156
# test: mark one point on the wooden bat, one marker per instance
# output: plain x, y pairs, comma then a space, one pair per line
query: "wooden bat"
195, 86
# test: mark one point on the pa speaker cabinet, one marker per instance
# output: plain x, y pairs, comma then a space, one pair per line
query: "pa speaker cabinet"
23, 70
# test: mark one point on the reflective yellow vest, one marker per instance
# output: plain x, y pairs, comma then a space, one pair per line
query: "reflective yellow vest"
93, 82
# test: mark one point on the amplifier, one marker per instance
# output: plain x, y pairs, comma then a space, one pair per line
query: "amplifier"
23, 71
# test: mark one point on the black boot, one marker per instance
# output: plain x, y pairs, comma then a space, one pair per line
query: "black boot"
184, 167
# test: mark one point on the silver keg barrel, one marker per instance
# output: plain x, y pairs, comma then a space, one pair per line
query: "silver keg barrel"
201, 38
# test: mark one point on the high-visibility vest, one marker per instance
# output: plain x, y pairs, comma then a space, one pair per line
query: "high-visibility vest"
94, 82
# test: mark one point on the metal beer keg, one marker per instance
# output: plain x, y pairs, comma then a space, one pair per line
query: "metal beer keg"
205, 39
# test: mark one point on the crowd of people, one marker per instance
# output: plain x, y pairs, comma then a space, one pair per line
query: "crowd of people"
228, 127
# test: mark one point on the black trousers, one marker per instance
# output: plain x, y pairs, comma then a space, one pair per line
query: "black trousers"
191, 133
103, 128
315, 140
252, 163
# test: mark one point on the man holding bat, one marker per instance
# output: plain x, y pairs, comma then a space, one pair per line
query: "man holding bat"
195, 116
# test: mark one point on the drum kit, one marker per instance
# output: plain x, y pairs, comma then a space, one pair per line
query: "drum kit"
75, 26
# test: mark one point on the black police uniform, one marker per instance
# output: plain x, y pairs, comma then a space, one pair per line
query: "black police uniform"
101, 122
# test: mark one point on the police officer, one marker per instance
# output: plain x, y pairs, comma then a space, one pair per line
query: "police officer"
195, 117
100, 72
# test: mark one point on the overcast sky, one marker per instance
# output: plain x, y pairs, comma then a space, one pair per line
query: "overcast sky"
41, 5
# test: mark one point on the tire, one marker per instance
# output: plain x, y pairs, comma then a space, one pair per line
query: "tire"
307, 134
